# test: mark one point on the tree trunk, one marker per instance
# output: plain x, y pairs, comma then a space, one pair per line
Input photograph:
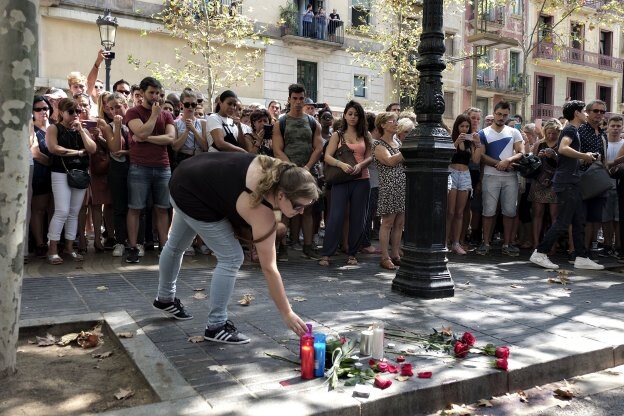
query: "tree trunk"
18, 43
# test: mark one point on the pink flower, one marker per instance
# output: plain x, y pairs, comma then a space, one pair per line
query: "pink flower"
502, 352
468, 339
461, 349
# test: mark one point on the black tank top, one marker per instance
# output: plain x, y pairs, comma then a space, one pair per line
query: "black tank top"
206, 186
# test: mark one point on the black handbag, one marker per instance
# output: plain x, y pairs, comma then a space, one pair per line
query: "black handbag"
76, 178
617, 171
595, 181
333, 174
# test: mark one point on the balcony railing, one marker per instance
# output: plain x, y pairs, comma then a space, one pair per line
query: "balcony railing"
313, 27
548, 111
578, 57
507, 84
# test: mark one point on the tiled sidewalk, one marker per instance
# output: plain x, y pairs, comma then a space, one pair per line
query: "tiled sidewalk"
554, 331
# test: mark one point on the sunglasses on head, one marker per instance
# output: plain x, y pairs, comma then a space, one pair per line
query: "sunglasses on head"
40, 109
187, 105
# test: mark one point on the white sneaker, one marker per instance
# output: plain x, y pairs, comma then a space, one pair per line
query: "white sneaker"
203, 249
141, 250
585, 263
189, 251
118, 250
542, 259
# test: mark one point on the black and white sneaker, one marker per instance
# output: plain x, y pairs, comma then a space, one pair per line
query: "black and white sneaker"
174, 309
227, 334
133, 255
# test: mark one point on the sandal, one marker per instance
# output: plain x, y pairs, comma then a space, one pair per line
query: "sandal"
370, 250
324, 261
387, 264
55, 259
76, 256
352, 261
396, 260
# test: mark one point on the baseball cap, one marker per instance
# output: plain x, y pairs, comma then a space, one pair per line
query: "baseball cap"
55, 93
308, 101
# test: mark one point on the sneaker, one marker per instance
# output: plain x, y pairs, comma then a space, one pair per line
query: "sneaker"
141, 250
297, 247
282, 253
541, 259
571, 258
189, 251
483, 249
458, 249
203, 249
175, 309
133, 255
118, 250
227, 334
586, 263
309, 252
510, 250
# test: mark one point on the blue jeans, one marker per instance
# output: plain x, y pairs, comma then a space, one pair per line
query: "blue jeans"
143, 182
219, 237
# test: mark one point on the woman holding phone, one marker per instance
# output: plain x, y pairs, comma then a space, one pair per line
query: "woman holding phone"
259, 140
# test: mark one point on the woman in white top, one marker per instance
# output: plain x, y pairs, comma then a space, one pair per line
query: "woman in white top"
191, 135
223, 131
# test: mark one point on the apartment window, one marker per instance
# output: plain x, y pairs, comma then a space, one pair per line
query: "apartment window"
359, 86
517, 7
449, 44
606, 43
577, 34
604, 94
576, 90
544, 90
360, 12
545, 28
306, 76
448, 104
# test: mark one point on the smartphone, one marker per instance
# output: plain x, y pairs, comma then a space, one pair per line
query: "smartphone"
89, 124
268, 130
518, 126
110, 55
320, 105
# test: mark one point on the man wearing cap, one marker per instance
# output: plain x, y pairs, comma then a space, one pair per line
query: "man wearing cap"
308, 107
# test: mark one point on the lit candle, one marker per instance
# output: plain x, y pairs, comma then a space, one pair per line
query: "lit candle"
319, 355
307, 357
377, 348
308, 332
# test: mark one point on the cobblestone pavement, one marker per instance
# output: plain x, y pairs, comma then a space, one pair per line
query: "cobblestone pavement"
554, 331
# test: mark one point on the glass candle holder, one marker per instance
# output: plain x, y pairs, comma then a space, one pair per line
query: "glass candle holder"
319, 355
307, 357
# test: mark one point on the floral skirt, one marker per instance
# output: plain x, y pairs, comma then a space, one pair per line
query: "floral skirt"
542, 194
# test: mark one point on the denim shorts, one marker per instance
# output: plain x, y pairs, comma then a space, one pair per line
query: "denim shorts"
143, 182
496, 188
460, 180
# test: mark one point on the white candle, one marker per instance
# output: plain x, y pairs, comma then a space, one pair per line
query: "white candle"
378, 341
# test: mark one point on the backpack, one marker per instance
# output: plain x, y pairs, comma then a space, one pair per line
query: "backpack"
311, 120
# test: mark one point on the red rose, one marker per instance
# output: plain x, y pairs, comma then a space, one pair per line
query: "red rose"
372, 362
400, 359
343, 339
502, 352
468, 339
425, 374
406, 370
502, 363
382, 367
461, 349
382, 383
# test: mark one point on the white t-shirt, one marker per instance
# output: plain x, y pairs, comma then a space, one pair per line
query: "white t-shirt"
215, 121
499, 146
613, 148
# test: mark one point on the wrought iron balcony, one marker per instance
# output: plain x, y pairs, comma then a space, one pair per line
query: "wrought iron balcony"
548, 111
320, 28
578, 56
514, 84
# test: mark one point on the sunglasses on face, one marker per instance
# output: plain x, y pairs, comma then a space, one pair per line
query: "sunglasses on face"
38, 110
598, 111
298, 207
124, 92
74, 111
188, 105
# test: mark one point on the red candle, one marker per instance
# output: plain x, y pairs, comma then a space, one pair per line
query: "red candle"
307, 357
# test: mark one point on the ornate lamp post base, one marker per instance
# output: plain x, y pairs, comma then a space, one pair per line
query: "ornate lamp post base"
427, 151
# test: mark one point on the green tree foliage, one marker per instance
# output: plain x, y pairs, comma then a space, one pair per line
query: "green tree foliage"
221, 46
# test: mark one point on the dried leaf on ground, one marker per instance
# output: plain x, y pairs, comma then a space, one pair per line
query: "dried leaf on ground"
102, 288
199, 296
517, 286
196, 338
198, 289
457, 410
87, 340
484, 403
125, 334
402, 378
524, 398
68, 338
446, 331
299, 299
566, 391
246, 300
467, 282
102, 355
48, 340
123, 394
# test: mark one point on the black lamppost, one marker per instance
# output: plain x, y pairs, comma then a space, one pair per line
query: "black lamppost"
108, 30
427, 152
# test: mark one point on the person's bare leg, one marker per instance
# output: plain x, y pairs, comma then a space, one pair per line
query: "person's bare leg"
397, 233
508, 223
132, 220
488, 224
384, 234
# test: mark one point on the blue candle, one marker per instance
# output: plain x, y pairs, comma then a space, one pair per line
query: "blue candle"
319, 355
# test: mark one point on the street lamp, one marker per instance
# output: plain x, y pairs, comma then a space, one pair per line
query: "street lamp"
108, 30
427, 151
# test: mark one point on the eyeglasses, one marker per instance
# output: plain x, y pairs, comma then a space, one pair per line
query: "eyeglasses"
124, 92
596, 111
99, 87
299, 207
199, 100
187, 105
40, 109
72, 111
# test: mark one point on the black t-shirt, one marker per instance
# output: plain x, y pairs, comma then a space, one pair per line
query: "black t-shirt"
567, 168
69, 139
207, 186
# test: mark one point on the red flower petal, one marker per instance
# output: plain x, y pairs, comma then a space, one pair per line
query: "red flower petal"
372, 362
425, 374
383, 367
393, 369
406, 370
382, 383
400, 359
